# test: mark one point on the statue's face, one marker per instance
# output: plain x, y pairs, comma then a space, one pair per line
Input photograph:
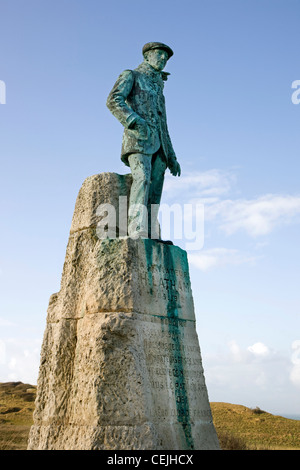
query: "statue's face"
157, 58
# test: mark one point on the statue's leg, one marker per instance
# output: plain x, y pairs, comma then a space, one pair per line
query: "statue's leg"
140, 165
155, 191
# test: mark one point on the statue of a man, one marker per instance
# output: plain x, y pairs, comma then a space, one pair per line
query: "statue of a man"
137, 101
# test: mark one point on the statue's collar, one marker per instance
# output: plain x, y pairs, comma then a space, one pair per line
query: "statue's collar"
146, 68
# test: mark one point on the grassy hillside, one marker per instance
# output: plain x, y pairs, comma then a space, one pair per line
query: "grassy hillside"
238, 427
16, 409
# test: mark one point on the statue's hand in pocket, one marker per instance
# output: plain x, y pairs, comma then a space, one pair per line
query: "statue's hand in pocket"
141, 127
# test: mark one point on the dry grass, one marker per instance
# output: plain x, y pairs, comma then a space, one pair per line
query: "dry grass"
16, 410
14, 437
246, 429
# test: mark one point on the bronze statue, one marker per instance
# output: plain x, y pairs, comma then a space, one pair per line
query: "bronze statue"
137, 101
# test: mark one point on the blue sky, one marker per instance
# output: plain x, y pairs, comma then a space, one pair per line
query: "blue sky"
235, 131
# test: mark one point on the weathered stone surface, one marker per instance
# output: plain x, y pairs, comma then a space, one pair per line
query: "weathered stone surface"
95, 190
120, 362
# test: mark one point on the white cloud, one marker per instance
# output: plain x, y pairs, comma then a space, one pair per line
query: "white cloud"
254, 375
207, 184
20, 360
255, 216
295, 371
216, 257
259, 349
247, 358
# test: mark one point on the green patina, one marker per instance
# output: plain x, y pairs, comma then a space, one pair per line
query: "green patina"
148, 250
181, 397
123, 191
122, 185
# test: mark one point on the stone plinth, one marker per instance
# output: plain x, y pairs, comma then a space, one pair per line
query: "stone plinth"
120, 362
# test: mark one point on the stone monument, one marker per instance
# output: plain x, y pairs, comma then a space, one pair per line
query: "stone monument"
120, 362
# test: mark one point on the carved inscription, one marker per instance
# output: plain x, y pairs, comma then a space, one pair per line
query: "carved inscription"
168, 289
175, 371
164, 282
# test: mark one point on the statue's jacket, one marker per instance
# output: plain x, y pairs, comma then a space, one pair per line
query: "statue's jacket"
137, 94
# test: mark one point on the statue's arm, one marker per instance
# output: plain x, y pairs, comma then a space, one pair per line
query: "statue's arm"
173, 164
116, 101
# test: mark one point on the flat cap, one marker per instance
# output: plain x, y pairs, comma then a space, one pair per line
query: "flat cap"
157, 45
